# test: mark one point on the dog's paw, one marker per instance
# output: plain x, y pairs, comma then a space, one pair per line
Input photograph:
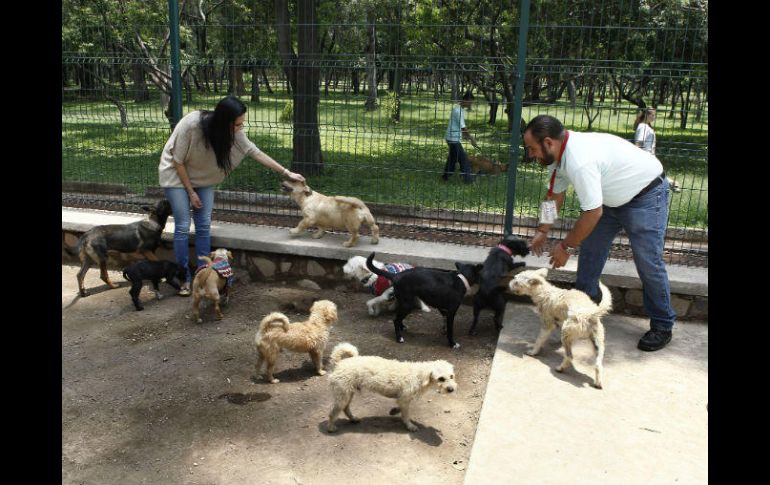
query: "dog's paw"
394, 411
199, 320
400, 340
354, 420
456, 346
275, 381
411, 427
532, 352
294, 231
371, 311
331, 428
139, 308
83, 293
322, 372
597, 385
158, 296
559, 369
347, 244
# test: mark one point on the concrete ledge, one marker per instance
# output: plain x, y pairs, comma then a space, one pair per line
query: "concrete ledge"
689, 286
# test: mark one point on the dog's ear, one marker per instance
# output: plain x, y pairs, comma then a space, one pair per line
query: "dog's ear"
306, 189
229, 255
542, 272
213, 254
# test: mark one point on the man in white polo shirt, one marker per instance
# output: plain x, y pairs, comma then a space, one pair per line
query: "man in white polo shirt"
618, 187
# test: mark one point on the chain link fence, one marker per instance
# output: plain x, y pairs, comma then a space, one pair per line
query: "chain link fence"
387, 75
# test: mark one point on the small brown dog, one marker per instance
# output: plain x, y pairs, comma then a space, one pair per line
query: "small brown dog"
276, 333
328, 213
210, 282
485, 165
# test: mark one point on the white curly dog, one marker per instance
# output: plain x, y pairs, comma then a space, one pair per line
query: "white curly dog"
577, 314
402, 381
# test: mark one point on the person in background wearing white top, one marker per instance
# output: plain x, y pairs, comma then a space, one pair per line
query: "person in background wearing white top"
204, 147
456, 129
645, 138
618, 187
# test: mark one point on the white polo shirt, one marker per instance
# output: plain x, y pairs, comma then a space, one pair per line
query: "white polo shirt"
604, 169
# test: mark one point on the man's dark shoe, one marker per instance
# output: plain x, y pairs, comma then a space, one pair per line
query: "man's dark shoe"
654, 340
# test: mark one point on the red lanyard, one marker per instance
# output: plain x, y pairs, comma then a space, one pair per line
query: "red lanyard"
561, 152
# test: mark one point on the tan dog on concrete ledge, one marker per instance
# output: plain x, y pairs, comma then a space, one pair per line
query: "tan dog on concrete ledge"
328, 213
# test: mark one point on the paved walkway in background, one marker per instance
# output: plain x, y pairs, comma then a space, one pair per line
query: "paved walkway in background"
649, 424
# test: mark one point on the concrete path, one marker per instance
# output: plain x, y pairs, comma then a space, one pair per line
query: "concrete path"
648, 425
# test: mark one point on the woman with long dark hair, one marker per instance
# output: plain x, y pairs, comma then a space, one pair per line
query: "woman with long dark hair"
204, 147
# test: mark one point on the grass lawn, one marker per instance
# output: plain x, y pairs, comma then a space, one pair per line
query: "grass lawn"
368, 156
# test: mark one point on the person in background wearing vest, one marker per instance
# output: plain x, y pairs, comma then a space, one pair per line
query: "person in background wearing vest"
618, 187
455, 130
204, 147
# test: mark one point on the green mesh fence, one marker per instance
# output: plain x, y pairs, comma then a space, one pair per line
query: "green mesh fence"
386, 74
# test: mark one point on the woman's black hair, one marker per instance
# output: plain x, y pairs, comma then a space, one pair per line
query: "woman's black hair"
218, 129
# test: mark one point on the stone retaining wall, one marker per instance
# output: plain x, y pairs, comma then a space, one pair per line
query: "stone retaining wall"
262, 266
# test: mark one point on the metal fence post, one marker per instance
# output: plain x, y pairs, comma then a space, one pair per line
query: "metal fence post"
514, 150
176, 77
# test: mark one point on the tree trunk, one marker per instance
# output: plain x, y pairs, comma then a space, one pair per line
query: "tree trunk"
254, 83
685, 110
283, 29
355, 81
371, 66
267, 82
141, 93
307, 140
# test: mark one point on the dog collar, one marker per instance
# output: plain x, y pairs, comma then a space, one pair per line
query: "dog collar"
506, 249
465, 282
153, 225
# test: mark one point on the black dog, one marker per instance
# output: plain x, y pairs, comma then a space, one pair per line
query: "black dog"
137, 237
498, 263
152, 271
443, 290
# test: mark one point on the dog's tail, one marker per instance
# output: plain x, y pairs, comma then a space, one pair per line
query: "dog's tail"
275, 319
374, 269
364, 213
343, 351
605, 306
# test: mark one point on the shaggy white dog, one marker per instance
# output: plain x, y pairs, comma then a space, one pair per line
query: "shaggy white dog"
355, 268
577, 314
403, 381
277, 333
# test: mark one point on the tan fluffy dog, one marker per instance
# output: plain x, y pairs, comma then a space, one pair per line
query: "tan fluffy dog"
328, 213
577, 314
209, 284
403, 381
276, 333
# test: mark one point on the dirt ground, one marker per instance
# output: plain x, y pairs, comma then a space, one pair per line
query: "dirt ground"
151, 397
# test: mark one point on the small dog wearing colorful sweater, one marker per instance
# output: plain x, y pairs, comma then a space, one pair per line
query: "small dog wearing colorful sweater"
213, 280
378, 285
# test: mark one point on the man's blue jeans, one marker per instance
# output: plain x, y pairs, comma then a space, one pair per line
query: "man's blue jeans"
180, 205
644, 221
457, 155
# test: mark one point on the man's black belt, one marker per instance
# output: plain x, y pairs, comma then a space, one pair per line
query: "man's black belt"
655, 182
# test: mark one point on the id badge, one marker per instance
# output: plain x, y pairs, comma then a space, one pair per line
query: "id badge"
548, 213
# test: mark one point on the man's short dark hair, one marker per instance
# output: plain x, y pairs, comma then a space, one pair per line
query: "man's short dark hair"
543, 126
468, 96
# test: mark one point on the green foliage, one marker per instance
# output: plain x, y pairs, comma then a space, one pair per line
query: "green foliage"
287, 115
390, 103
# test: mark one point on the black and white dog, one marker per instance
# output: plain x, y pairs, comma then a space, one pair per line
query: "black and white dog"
152, 271
498, 263
440, 289
380, 286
